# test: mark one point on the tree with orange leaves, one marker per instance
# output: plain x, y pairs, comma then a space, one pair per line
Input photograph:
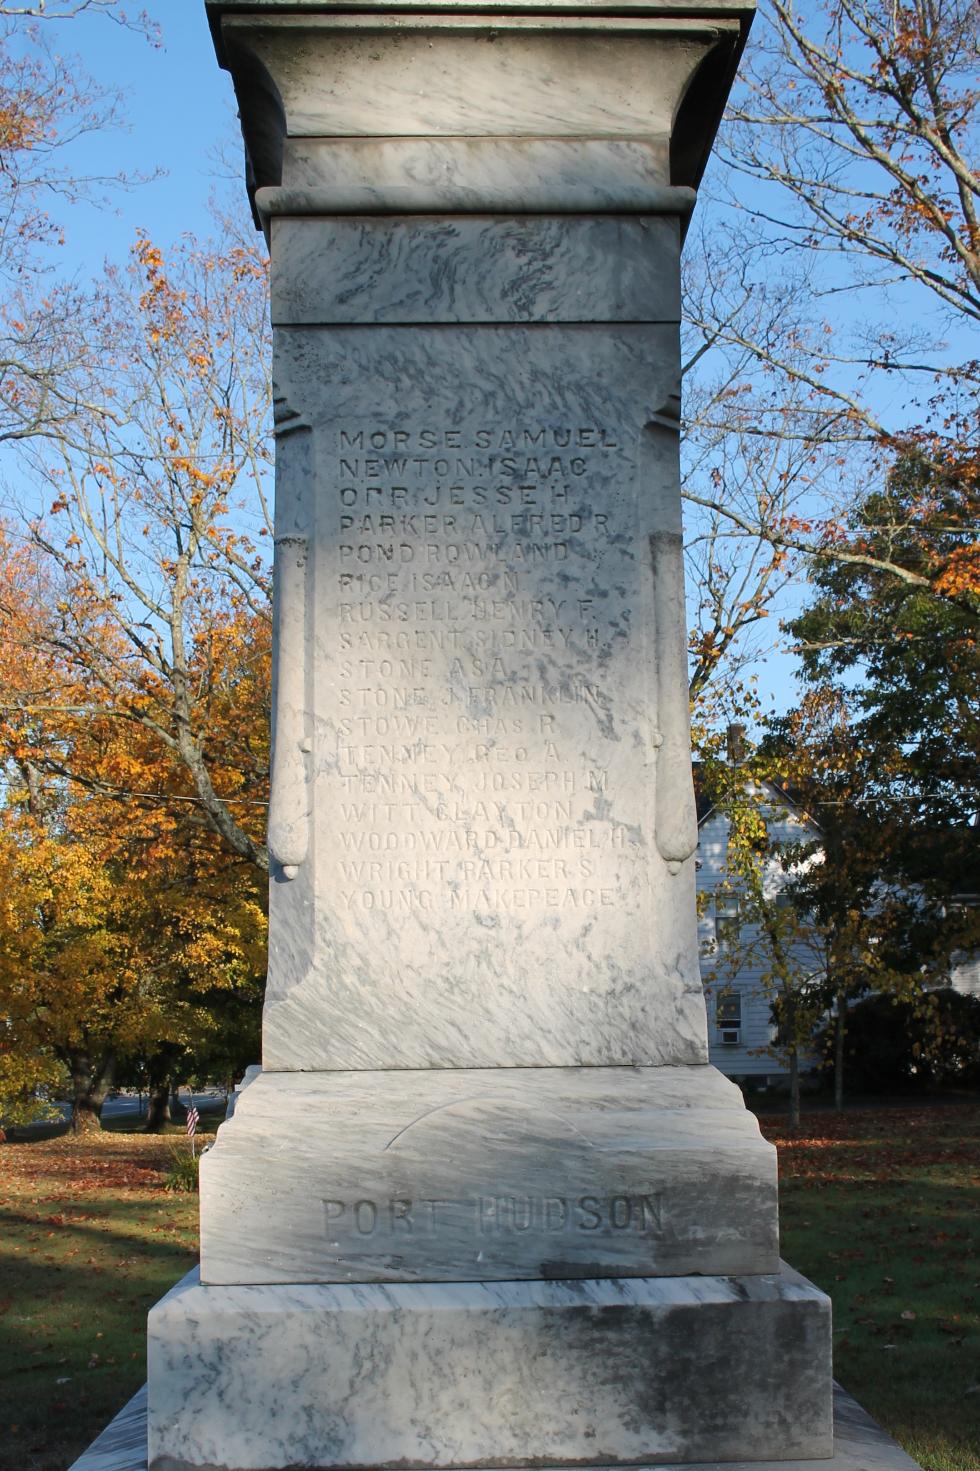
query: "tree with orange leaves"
125, 929
865, 114
117, 940
134, 620
155, 540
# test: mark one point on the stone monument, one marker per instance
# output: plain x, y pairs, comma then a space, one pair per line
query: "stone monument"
487, 1204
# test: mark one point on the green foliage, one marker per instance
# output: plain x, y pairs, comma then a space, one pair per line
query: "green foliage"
885, 748
892, 928
894, 1045
182, 1176
908, 661
835, 913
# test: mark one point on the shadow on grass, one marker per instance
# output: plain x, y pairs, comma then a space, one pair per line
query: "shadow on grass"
35, 1133
136, 1124
65, 1221
74, 1300
889, 1225
74, 1355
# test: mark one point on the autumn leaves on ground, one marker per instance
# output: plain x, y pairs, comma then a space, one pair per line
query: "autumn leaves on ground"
89, 1240
880, 1208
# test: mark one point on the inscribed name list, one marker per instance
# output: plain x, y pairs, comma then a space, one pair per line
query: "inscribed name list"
476, 721
487, 889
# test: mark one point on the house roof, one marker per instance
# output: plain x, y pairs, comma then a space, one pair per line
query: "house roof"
706, 805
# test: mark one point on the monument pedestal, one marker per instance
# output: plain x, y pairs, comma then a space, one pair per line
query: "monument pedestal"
472, 1374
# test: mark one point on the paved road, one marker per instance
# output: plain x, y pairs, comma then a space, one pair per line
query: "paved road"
129, 1103
211, 1101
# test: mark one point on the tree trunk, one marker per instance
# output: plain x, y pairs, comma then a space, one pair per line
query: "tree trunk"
157, 1105
840, 1028
91, 1080
164, 1104
794, 1088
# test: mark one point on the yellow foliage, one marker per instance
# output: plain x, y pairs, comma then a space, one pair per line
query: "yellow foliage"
121, 914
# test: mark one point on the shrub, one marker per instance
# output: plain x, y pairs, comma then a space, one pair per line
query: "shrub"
182, 1176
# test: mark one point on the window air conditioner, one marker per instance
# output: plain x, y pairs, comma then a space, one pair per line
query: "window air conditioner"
731, 1036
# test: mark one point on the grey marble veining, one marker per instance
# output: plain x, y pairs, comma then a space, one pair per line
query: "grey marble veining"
473, 269
407, 198
639, 1371
487, 1205
495, 1175
529, 170
465, 76
860, 1444
247, 1079
494, 723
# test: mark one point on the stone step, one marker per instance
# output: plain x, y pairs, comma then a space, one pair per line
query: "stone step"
635, 1371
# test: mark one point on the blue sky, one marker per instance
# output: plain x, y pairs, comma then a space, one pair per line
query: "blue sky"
181, 113
181, 127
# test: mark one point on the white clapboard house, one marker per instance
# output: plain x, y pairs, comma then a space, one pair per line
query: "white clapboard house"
739, 1011
740, 1030
965, 970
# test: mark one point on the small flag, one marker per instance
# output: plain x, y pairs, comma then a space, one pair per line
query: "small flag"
193, 1119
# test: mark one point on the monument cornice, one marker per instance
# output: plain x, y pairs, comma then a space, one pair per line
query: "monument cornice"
555, 109
743, 10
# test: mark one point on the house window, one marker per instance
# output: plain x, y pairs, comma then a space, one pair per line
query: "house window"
728, 1017
726, 918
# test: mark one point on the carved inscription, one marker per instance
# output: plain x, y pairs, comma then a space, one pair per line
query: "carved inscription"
496, 1215
474, 634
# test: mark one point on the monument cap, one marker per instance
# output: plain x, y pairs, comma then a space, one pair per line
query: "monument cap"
657, 72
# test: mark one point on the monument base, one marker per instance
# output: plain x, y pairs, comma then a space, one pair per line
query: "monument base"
860, 1444
488, 1174
637, 1371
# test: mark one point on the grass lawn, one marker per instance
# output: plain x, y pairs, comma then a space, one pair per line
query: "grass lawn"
89, 1240
880, 1208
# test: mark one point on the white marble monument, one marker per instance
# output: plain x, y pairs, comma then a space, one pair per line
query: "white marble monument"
487, 1204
